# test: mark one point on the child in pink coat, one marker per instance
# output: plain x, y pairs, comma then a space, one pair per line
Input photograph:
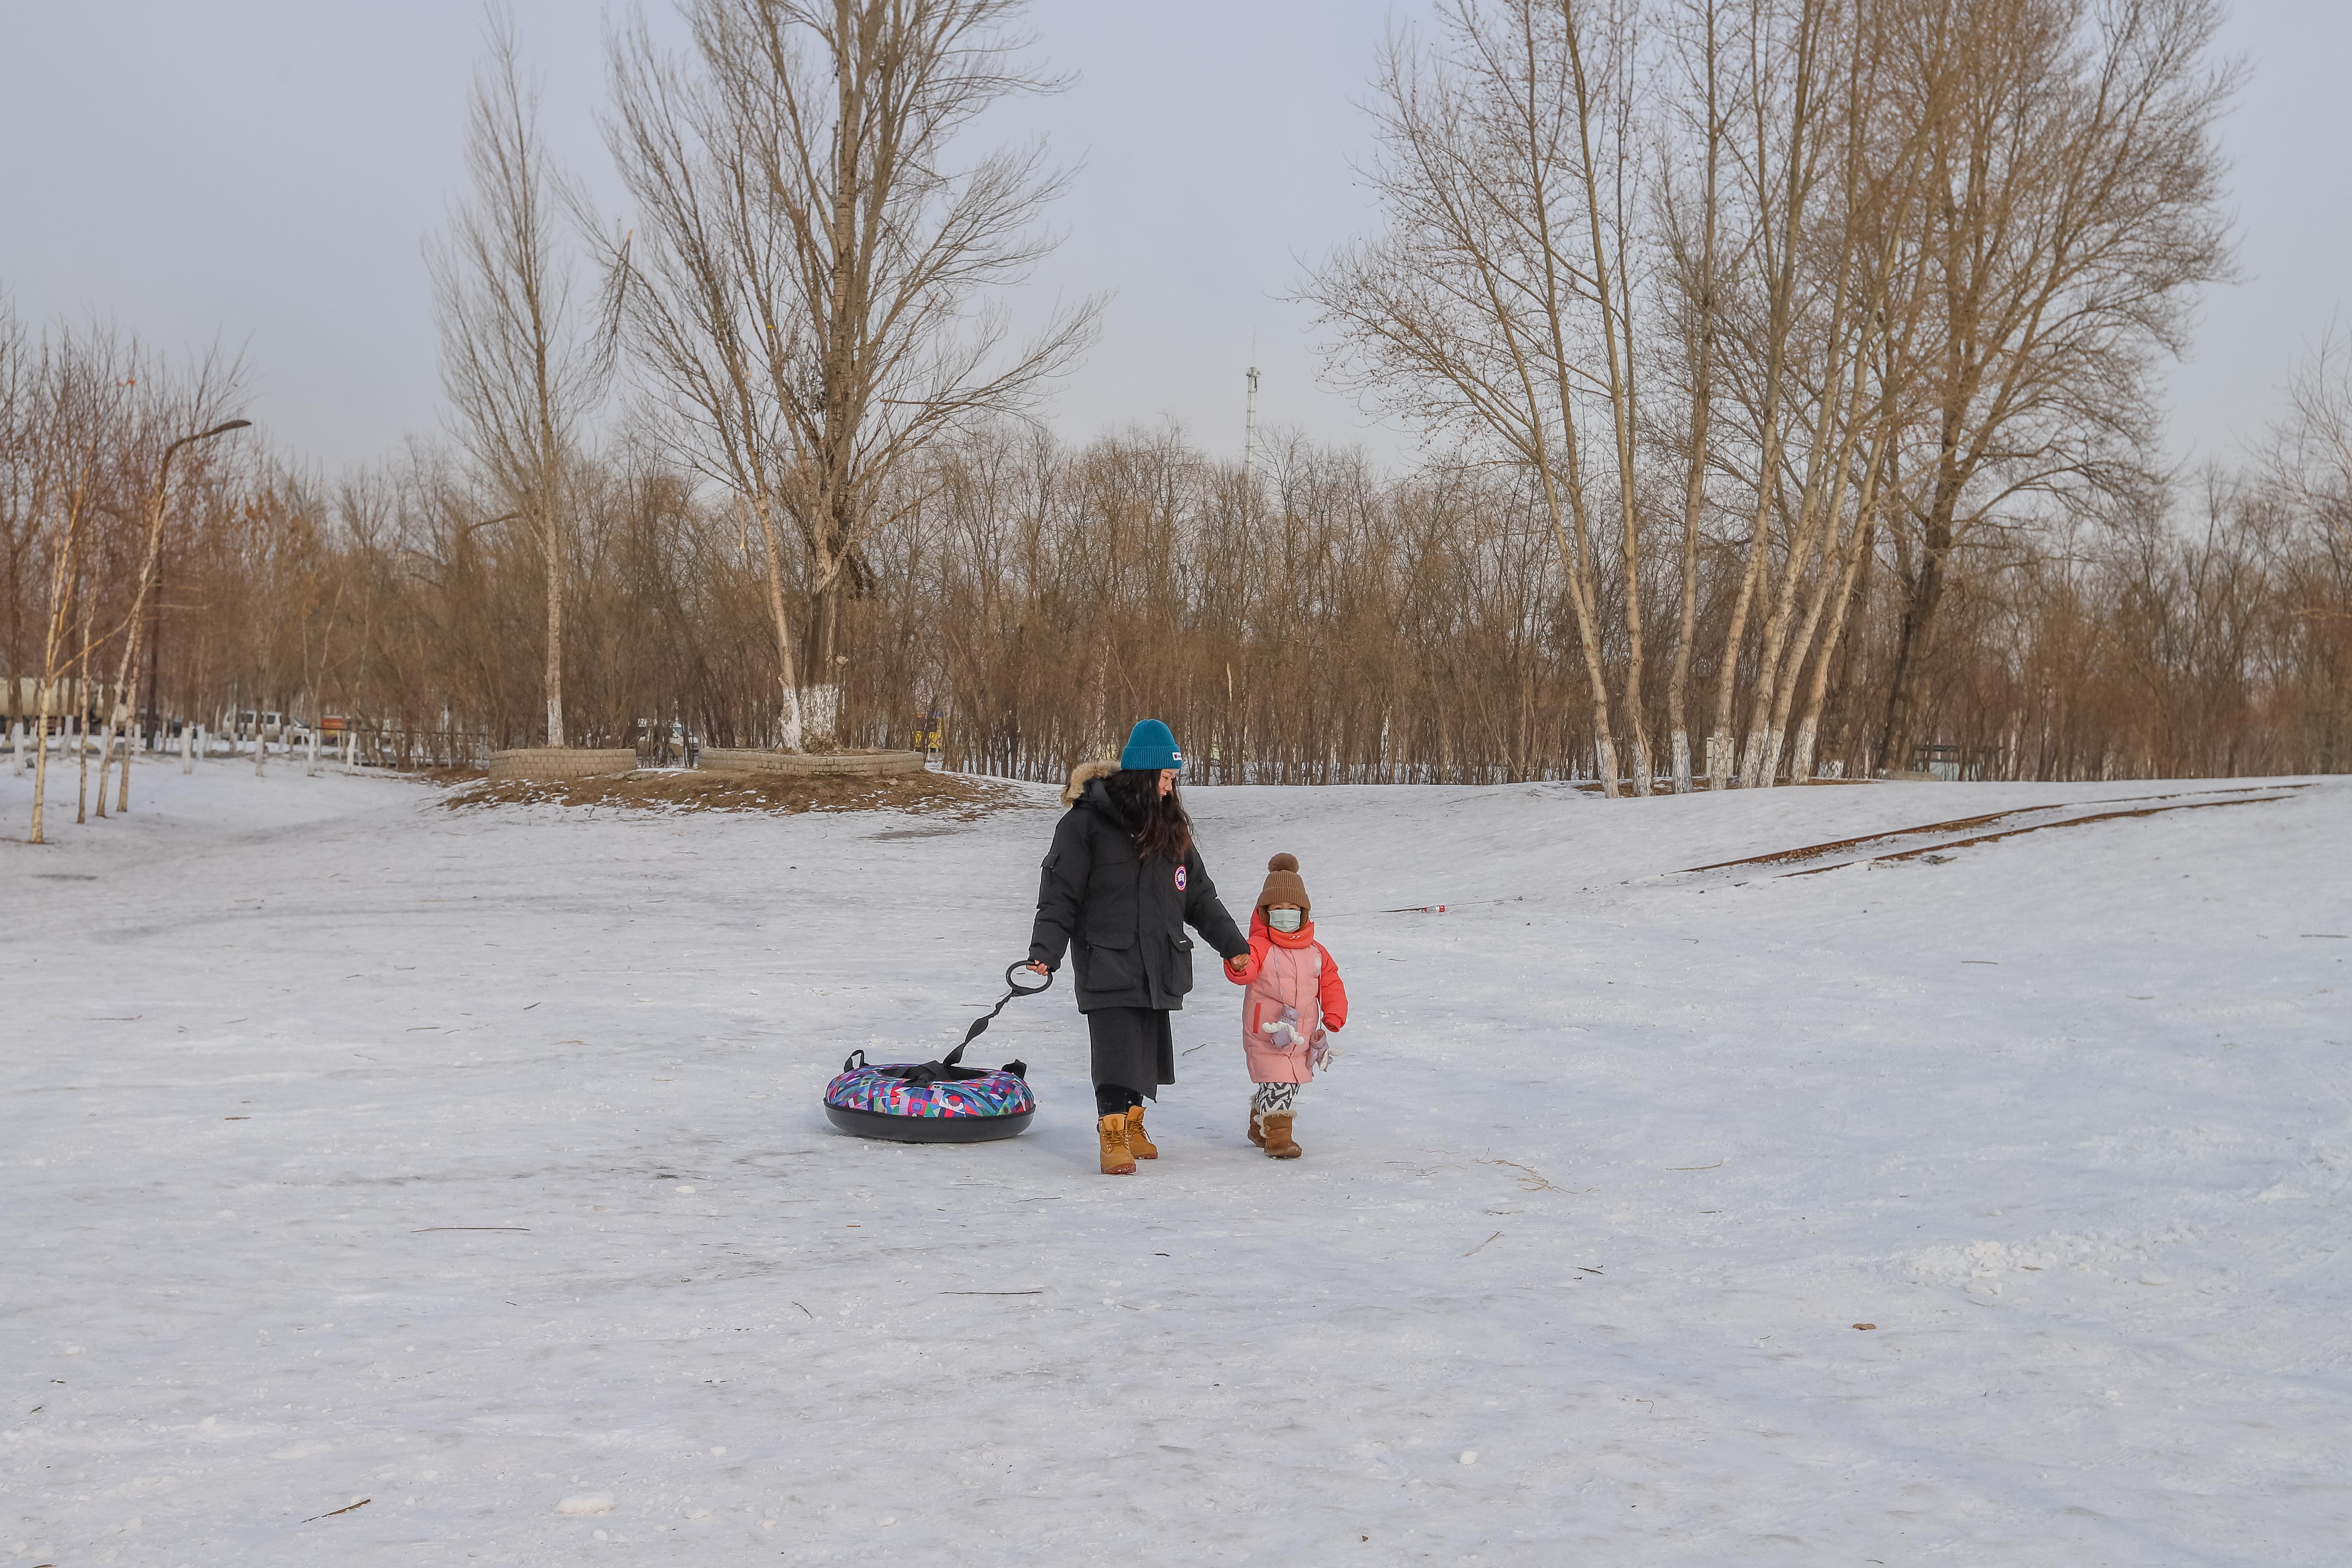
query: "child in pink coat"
1293, 995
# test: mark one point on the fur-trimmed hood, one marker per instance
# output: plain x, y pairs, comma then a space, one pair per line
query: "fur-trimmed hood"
1083, 774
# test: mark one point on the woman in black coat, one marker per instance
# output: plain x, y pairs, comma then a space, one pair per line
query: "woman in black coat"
1120, 883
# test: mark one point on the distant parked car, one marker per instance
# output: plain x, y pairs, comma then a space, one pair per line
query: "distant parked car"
248, 723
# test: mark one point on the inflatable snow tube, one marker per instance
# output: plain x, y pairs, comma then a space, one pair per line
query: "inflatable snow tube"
929, 1102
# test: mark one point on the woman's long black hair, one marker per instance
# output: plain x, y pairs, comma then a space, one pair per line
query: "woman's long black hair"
1158, 822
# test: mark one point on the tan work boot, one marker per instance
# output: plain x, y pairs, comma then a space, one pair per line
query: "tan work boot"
1116, 1160
1142, 1147
1278, 1145
1257, 1133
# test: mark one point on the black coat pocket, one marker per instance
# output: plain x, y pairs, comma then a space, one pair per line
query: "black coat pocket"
1109, 962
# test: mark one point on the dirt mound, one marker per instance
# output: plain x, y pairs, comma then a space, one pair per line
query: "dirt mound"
956, 796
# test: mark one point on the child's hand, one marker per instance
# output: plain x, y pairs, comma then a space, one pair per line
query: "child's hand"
1238, 964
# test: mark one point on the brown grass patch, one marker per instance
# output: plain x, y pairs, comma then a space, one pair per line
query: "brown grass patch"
1809, 852
2042, 826
956, 796
1960, 823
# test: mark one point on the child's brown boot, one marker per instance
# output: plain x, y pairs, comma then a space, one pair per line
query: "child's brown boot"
1278, 1145
1257, 1133
1142, 1147
1116, 1160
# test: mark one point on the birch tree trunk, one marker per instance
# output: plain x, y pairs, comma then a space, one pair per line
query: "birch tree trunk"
41, 769
520, 371
1838, 561
1802, 763
1698, 339
1610, 288
551, 532
1782, 206
788, 722
105, 760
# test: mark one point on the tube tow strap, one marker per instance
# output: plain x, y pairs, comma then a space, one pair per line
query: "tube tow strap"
980, 1025
931, 1072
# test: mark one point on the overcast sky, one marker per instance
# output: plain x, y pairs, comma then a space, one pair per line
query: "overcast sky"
260, 173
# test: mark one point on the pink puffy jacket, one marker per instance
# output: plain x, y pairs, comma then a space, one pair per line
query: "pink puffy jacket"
1288, 969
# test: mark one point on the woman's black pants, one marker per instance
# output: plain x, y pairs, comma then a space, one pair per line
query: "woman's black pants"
1134, 1053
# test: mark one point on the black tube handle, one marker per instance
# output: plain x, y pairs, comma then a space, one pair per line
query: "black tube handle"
1014, 988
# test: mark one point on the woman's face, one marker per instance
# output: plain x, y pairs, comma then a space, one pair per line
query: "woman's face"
1167, 781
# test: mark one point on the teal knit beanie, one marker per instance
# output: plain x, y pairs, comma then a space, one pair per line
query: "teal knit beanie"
1150, 747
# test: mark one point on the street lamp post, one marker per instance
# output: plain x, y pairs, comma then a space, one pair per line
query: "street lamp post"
155, 605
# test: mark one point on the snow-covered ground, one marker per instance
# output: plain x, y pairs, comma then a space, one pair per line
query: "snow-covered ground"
469, 1163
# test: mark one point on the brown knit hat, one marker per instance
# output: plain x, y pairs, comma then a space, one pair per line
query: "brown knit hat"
1283, 886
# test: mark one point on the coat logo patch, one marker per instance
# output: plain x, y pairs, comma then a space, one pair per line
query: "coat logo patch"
1180, 879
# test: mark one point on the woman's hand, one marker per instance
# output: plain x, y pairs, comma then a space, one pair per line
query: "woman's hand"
1039, 969
1238, 964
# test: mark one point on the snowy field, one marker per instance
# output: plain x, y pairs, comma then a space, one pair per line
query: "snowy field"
468, 1164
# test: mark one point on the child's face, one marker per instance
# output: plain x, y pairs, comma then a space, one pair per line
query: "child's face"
1284, 917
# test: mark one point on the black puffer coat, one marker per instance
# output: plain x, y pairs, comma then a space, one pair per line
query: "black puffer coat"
1125, 915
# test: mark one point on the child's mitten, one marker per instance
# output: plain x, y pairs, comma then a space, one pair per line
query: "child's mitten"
1284, 1030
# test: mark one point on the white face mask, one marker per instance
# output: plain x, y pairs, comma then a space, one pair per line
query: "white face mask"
1282, 919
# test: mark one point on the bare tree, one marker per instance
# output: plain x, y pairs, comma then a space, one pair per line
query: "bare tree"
1501, 281
518, 363
807, 277
20, 429
2074, 210
1694, 275
2309, 463
1781, 163
173, 419
2308, 486
77, 409
1861, 261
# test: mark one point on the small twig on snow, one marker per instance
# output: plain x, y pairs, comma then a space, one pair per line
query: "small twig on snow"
331, 1513
1541, 1185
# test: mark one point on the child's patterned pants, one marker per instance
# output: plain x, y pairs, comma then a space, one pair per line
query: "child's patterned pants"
1274, 1099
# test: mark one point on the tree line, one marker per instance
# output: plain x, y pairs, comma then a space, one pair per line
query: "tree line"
1789, 370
